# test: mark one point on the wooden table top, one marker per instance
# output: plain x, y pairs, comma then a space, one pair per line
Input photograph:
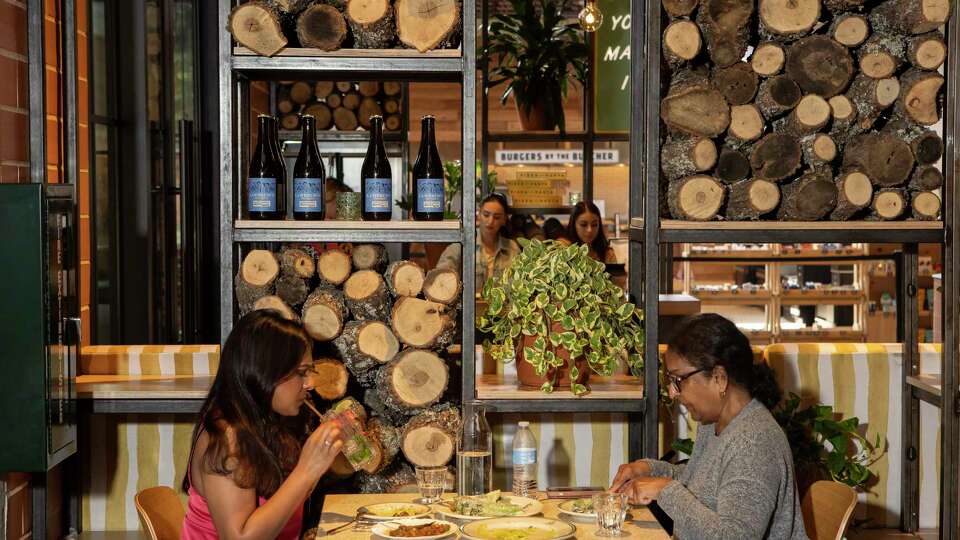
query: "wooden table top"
142, 386
340, 509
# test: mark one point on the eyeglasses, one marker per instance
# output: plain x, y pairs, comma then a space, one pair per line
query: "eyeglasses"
677, 380
303, 372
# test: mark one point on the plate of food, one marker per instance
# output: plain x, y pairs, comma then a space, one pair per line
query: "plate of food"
392, 511
421, 529
580, 508
493, 504
518, 528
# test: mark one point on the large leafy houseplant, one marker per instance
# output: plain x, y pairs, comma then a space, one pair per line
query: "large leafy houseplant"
824, 445
561, 298
535, 50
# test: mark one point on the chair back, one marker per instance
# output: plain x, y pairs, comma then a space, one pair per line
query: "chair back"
161, 513
827, 508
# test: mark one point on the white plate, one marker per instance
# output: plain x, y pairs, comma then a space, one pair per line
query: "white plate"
384, 529
553, 529
528, 507
387, 511
566, 507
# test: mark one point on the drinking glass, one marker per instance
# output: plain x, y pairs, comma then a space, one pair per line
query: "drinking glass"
611, 509
348, 206
430, 482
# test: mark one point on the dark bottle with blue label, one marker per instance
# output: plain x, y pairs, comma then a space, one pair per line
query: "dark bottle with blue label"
265, 183
428, 175
308, 175
376, 184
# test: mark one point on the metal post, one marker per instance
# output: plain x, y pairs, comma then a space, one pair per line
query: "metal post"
907, 321
226, 88
37, 94
469, 141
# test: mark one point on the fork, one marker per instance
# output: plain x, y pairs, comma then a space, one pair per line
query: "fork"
360, 512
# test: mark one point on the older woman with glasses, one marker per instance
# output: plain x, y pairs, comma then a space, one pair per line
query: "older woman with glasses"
739, 482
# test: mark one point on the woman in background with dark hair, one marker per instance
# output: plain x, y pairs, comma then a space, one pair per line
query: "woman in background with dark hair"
739, 482
250, 470
495, 248
554, 230
586, 227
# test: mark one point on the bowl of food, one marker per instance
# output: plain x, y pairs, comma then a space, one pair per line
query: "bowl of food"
421, 529
392, 511
493, 504
518, 528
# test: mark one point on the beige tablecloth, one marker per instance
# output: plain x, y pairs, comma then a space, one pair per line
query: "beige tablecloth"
339, 509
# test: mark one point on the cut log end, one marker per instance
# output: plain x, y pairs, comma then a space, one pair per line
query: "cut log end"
776, 156
376, 340
682, 39
370, 257
333, 266
928, 51
889, 204
768, 59
925, 205
809, 198
277, 304
789, 17
257, 27
841, 108
738, 83
751, 199
324, 313
854, 193
414, 380
295, 261
329, 378
697, 110
812, 113
421, 323
919, 99
696, 198
366, 295
443, 286
321, 26
851, 31
878, 64
405, 278
824, 147
732, 165
679, 8
259, 268
819, 65
425, 24
345, 119
887, 160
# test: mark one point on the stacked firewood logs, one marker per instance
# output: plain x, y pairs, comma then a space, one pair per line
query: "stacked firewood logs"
342, 105
802, 110
266, 27
382, 329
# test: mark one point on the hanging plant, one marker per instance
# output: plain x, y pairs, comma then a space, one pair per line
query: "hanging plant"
563, 304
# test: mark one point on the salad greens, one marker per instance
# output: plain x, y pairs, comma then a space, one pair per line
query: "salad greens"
490, 505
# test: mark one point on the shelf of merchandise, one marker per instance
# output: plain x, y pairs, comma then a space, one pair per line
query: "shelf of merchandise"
238, 66
650, 236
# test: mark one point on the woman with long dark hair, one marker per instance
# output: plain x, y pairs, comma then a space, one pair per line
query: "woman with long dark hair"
586, 227
495, 248
250, 469
739, 482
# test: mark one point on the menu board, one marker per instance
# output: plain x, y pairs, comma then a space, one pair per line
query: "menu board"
611, 82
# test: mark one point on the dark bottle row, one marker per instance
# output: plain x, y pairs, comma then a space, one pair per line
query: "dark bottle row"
266, 182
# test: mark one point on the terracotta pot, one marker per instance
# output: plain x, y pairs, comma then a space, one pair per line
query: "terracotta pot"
538, 118
527, 374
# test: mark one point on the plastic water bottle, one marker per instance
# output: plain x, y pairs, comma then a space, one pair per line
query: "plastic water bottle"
524, 461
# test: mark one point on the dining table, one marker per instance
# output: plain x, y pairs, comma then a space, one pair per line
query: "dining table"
340, 509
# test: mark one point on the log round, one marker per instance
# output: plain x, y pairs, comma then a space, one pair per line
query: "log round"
442, 285
329, 378
696, 198
430, 439
889, 204
425, 24
277, 304
414, 380
732, 165
808, 198
333, 266
884, 158
365, 345
371, 22
324, 313
919, 96
777, 96
927, 51
776, 156
370, 257
321, 26
683, 155
750, 199
679, 8
882, 55
695, 107
854, 193
789, 18
746, 123
292, 289
421, 323
819, 65
818, 149
926, 178
910, 16
768, 59
681, 41
850, 30
925, 205
366, 295
256, 26
738, 83
404, 278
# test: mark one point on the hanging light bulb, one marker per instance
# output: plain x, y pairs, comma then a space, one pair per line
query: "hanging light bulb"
590, 16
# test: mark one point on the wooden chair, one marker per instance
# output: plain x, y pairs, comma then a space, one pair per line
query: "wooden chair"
826, 509
161, 513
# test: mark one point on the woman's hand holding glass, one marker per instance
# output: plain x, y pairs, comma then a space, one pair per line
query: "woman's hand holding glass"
644, 490
628, 472
320, 449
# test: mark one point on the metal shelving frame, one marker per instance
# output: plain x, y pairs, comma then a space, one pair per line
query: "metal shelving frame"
237, 66
650, 236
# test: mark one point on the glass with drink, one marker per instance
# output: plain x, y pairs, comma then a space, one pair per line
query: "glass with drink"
430, 482
611, 509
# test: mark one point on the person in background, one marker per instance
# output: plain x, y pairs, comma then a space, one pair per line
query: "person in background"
739, 482
586, 227
332, 186
554, 230
251, 467
495, 248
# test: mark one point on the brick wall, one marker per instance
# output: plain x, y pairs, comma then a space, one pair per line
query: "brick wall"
14, 157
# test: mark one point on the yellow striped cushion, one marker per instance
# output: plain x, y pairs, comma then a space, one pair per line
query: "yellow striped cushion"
149, 360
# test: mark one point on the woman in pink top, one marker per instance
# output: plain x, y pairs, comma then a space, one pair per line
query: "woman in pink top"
251, 467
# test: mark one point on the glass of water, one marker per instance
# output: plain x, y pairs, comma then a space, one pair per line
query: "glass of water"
611, 509
430, 482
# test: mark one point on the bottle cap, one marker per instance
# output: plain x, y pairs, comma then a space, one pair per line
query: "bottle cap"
305, 116
523, 424
430, 116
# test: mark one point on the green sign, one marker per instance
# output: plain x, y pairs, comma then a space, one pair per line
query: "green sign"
611, 80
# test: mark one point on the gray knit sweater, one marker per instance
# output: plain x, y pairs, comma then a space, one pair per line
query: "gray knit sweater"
738, 485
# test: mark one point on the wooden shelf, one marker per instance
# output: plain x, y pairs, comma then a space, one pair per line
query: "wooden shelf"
142, 387
502, 387
356, 64
801, 297
821, 254
730, 254
357, 231
927, 387
739, 297
760, 232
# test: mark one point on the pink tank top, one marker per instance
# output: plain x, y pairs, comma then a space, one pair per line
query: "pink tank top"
198, 523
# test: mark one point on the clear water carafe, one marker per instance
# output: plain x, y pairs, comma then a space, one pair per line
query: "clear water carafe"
474, 452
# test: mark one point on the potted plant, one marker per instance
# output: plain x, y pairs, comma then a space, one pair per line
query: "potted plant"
557, 312
534, 50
